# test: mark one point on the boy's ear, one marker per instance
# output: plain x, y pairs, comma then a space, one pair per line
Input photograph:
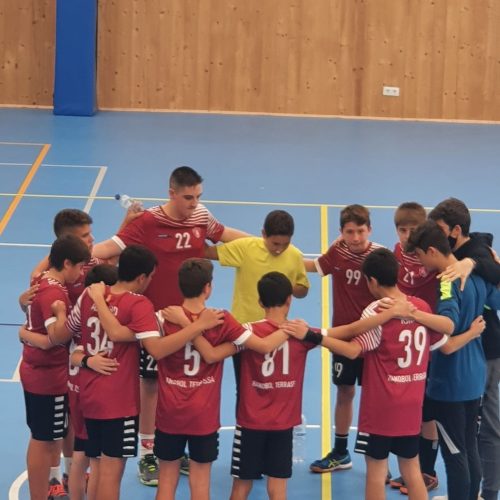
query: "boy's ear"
456, 231
264, 235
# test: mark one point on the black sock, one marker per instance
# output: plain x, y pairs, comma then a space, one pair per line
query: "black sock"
427, 455
341, 443
489, 495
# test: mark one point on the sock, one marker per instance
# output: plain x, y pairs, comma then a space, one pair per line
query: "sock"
489, 495
146, 442
67, 465
428, 449
341, 443
55, 472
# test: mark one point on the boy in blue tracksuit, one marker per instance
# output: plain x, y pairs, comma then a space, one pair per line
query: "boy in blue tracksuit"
456, 381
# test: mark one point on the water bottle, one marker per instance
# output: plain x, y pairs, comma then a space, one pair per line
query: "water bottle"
299, 441
126, 202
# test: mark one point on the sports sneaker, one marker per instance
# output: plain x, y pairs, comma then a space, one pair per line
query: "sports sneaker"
396, 483
148, 469
184, 465
56, 490
431, 483
332, 461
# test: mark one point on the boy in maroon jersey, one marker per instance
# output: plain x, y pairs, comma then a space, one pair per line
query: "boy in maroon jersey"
343, 261
414, 279
396, 358
44, 373
271, 390
189, 397
174, 232
111, 320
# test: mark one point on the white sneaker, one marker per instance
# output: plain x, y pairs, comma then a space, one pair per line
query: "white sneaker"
440, 497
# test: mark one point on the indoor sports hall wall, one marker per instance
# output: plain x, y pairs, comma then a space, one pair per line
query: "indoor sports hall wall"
327, 57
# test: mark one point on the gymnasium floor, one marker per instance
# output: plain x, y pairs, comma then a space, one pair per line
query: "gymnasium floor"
251, 165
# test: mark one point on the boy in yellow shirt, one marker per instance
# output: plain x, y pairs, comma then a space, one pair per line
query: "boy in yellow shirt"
255, 256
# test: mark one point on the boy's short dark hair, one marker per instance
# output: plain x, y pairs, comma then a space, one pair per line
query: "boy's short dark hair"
69, 218
279, 223
410, 213
194, 274
382, 265
184, 177
102, 272
355, 213
274, 289
453, 212
68, 247
134, 261
428, 234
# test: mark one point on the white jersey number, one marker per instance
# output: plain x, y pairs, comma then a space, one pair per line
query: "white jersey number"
417, 338
353, 276
101, 344
268, 366
183, 240
194, 355
408, 278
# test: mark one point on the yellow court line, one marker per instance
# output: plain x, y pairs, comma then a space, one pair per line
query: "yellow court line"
23, 187
326, 423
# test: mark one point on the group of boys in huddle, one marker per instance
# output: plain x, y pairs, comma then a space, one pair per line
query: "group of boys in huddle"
92, 328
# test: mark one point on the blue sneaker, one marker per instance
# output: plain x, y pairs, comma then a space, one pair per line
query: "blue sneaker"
332, 461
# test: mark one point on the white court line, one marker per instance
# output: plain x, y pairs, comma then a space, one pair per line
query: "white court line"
8, 143
35, 245
95, 189
60, 165
16, 485
16, 376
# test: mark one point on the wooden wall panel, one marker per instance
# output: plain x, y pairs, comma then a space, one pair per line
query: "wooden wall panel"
328, 57
297, 56
27, 41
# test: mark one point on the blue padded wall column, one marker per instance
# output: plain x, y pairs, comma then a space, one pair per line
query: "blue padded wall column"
76, 46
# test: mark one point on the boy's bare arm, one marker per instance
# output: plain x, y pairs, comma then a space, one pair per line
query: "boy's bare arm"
310, 266
456, 342
115, 330
300, 291
58, 332
100, 363
160, 347
213, 354
267, 344
38, 340
300, 330
350, 350
211, 252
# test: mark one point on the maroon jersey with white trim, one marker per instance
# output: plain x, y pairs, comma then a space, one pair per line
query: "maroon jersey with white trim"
414, 279
116, 395
350, 291
76, 288
45, 371
172, 242
189, 389
271, 384
396, 356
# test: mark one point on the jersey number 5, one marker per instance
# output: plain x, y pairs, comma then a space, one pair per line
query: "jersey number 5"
194, 355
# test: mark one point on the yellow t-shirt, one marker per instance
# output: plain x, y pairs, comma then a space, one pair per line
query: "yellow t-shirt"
252, 260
